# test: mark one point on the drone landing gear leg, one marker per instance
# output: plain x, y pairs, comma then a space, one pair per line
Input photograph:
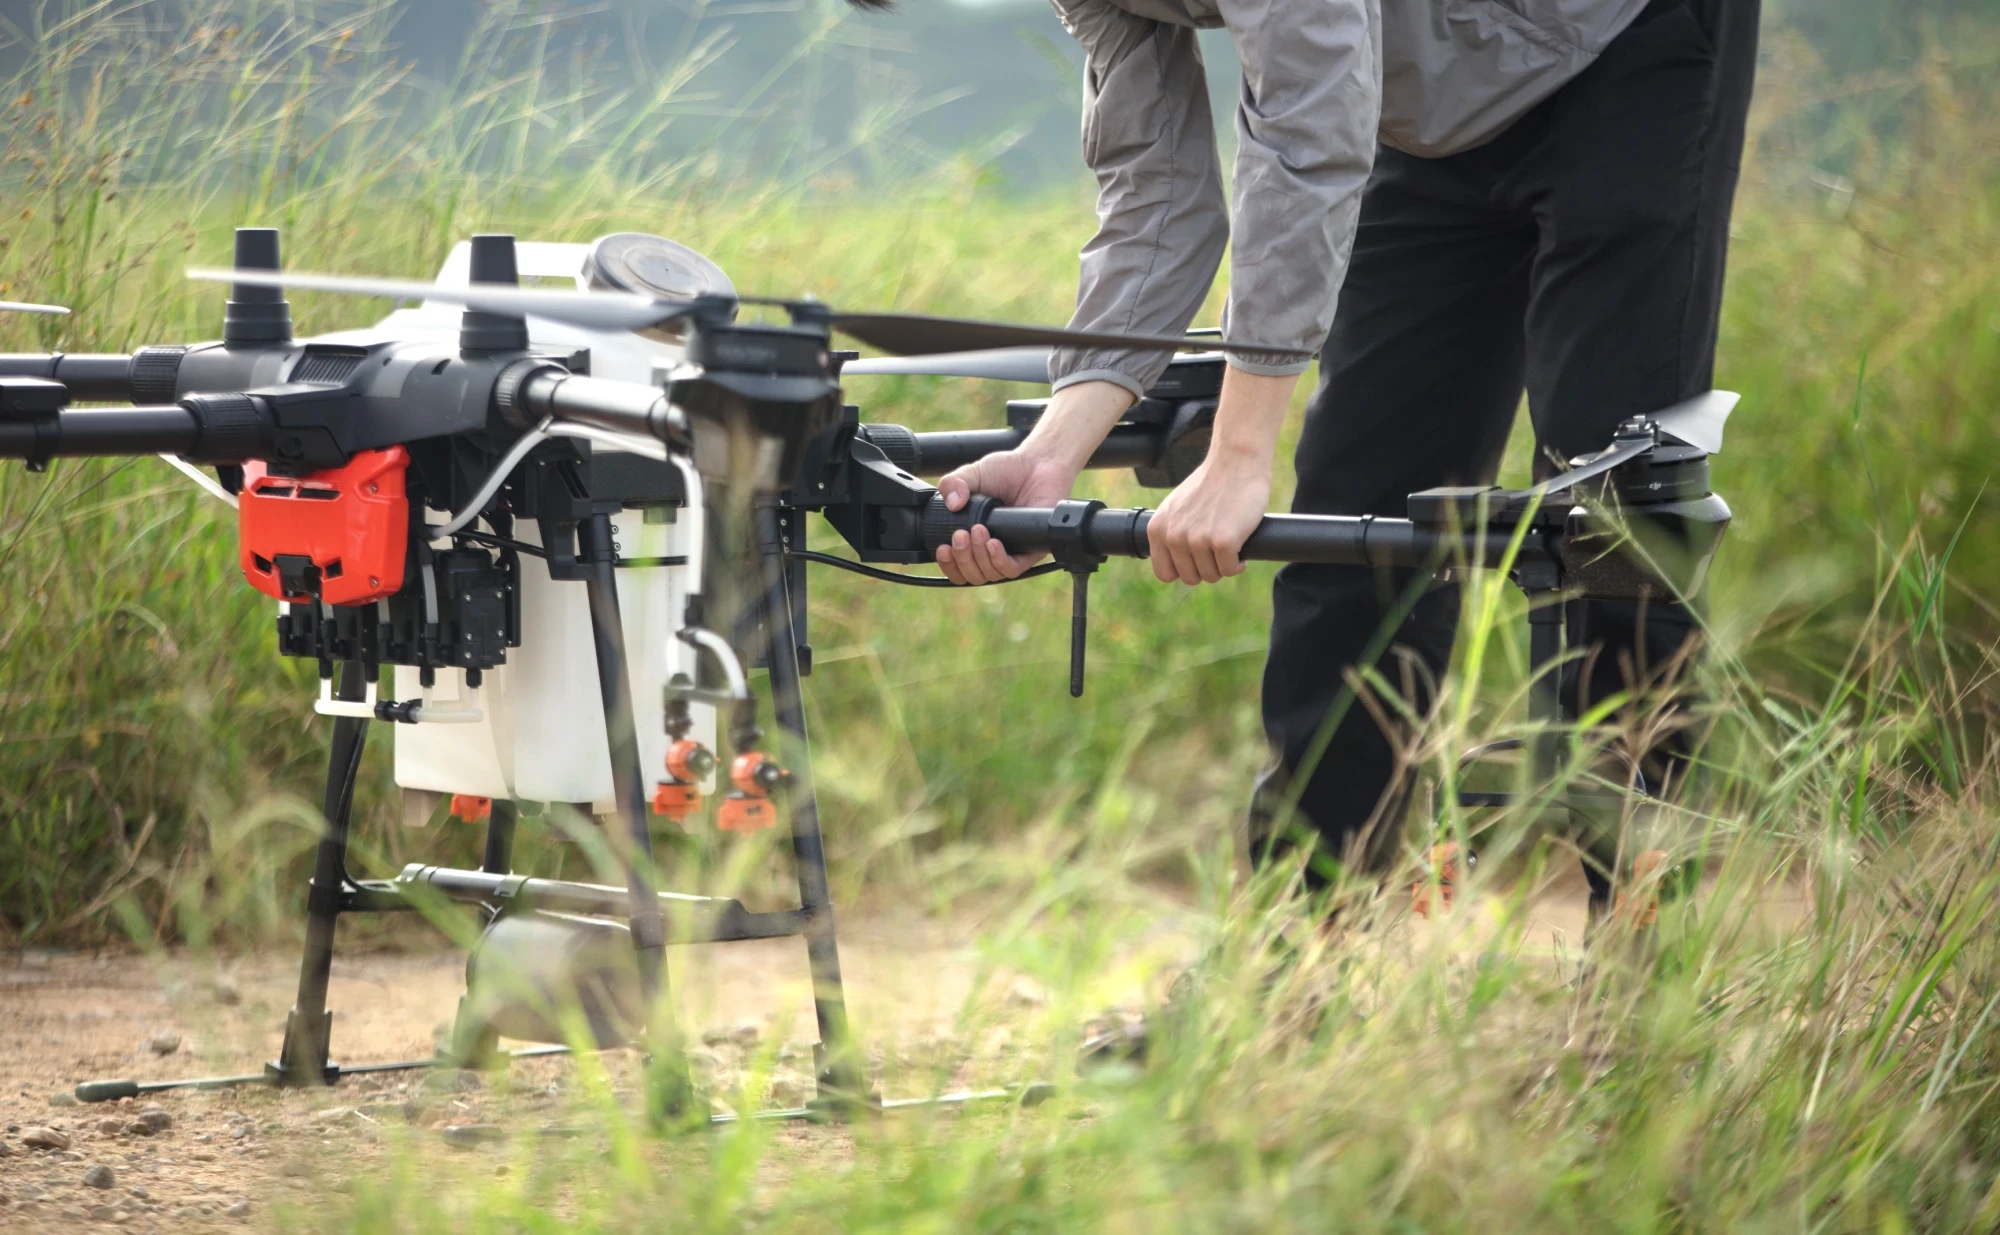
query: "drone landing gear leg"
303, 1060
841, 1084
668, 1088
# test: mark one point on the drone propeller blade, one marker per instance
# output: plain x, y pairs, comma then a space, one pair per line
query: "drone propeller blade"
905, 334
17, 306
1699, 420
1014, 364
1598, 466
917, 334
585, 310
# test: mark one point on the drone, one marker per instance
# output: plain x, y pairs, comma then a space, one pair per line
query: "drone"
571, 522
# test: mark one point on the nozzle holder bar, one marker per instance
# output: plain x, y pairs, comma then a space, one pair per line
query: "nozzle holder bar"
689, 919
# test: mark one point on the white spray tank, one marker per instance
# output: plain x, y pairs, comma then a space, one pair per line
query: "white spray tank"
542, 738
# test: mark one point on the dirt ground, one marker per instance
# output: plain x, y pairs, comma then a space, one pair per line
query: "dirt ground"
227, 1159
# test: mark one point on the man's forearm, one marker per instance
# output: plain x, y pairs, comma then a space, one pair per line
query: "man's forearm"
1249, 419
1077, 421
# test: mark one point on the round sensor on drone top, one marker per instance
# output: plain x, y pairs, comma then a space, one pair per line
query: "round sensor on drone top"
653, 266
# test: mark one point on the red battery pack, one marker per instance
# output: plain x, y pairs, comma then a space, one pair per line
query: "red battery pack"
341, 535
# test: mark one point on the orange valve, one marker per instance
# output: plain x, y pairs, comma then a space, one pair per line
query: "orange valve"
740, 812
689, 760
676, 800
757, 774
471, 808
1444, 865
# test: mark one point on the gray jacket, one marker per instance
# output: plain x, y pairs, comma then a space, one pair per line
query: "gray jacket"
1322, 81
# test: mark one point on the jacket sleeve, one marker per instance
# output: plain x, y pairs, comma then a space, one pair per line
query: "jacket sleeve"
1305, 145
1306, 127
1162, 221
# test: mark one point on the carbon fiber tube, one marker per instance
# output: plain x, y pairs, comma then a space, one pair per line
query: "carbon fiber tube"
76, 432
92, 379
1335, 540
934, 454
627, 407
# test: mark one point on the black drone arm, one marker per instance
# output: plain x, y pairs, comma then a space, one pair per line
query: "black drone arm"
89, 379
1083, 530
934, 454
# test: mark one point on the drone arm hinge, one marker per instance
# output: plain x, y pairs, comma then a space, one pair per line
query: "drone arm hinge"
1069, 546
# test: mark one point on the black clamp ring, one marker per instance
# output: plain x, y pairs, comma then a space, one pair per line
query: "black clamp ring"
1067, 522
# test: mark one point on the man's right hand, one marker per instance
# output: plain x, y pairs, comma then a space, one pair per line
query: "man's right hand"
1041, 471
1018, 478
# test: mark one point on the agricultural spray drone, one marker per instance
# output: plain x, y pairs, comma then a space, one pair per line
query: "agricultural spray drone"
569, 519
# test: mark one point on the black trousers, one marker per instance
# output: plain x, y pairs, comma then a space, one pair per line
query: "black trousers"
1578, 256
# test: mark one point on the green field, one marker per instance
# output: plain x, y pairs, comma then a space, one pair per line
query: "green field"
1834, 1070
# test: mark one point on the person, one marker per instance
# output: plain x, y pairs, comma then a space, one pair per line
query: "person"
1450, 202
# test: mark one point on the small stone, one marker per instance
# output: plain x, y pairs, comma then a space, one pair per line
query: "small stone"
790, 1091
139, 1127
45, 1138
226, 991
99, 1176
1025, 992
74, 1211
125, 1103
746, 1034
240, 1209
156, 1118
6, 1150
332, 1114
452, 1080
165, 1042
141, 1193
110, 1127
295, 1168
62, 1099
101, 1213
500, 1170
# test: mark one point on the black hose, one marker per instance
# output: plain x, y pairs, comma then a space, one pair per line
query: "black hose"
890, 576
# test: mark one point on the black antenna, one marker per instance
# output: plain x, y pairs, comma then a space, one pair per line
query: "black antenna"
479, 333
256, 314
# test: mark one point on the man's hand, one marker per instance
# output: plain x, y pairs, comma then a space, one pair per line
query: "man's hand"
1198, 532
1200, 528
1017, 478
1041, 471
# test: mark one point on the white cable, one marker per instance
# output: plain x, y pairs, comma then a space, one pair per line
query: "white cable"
201, 478
466, 712
532, 438
508, 462
651, 447
732, 669
696, 508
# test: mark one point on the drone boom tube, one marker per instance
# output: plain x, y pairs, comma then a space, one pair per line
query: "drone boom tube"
1334, 540
934, 454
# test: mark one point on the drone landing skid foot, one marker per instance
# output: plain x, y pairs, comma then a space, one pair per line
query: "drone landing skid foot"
469, 1136
273, 1075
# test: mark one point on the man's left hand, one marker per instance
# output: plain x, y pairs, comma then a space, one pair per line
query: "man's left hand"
1197, 534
